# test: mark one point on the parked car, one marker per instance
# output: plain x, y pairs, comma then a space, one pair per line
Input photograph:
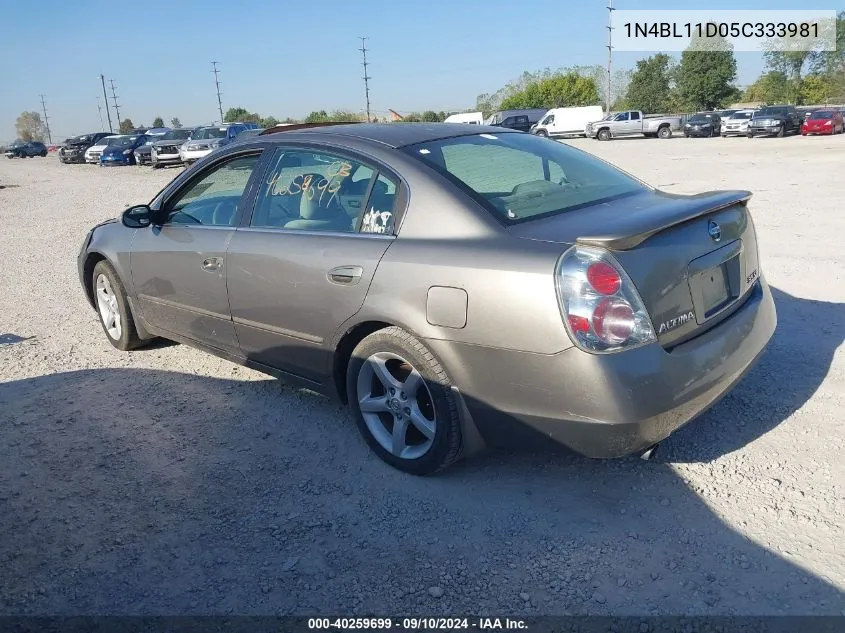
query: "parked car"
206, 139
567, 121
777, 120
73, 149
121, 149
92, 154
24, 149
521, 120
448, 282
737, 123
724, 114
165, 151
707, 124
633, 123
827, 121
143, 155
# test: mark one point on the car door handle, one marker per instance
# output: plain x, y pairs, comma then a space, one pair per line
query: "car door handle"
348, 275
211, 263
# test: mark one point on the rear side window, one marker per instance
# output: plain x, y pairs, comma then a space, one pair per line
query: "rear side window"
520, 177
315, 191
635, 116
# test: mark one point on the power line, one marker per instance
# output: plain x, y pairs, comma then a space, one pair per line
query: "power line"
366, 77
114, 98
217, 85
100, 112
105, 96
46, 121
610, 11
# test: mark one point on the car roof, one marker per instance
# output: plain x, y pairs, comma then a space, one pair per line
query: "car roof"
393, 135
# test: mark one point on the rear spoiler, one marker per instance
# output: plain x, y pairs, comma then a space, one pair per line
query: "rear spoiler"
293, 127
641, 224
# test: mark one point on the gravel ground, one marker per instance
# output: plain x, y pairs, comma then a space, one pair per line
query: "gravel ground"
168, 481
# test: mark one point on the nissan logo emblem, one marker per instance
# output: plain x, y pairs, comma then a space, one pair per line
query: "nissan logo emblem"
714, 231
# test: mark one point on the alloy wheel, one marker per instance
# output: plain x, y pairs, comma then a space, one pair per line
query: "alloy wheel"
107, 305
396, 405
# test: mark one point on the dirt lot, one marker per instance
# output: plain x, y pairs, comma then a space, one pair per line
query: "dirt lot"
168, 481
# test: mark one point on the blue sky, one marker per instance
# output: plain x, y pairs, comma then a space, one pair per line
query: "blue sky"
286, 58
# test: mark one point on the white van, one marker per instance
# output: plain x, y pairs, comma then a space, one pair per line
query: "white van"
476, 118
568, 121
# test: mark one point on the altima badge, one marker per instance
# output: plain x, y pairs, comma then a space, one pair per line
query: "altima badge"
671, 324
715, 231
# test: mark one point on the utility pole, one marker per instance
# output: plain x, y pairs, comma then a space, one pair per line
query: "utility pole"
609, 52
116, 107
46, 121
366, 77
217, 85
105, 96
100, 113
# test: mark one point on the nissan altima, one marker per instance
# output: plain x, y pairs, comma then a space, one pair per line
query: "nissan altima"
456, 285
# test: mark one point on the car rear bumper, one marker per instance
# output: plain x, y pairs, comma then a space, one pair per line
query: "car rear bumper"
607, 405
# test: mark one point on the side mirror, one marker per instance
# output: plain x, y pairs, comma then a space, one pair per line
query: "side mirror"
137, 217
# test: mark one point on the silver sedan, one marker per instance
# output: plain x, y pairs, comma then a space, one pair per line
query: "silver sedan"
456, 285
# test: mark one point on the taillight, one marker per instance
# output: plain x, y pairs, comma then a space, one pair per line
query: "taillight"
602, 310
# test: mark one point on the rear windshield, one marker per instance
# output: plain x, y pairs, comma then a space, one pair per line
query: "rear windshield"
521, 177
821, 115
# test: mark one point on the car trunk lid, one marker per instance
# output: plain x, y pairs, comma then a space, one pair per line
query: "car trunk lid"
692, 258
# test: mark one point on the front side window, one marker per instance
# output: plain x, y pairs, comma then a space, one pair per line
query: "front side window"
315, 191
520, 177
622, 116
213, 199
548, 120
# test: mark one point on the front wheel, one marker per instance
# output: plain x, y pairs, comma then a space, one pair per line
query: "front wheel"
113, 307
604, 135
542, 133
403, 404
781, 131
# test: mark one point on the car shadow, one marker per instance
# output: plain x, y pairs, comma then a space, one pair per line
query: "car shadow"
141, 491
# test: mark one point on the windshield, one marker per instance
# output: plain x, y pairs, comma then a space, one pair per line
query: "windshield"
85, 138
821, 115
520, 176
106, 140
122, 141
701, 118
770, 112
176, 135
209, 132
742, 115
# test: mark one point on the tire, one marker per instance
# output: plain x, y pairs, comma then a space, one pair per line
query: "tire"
155, 165
664, 132
542, 133
781, 131
724, 136
106, 286
603, 135
749, 136
400, 357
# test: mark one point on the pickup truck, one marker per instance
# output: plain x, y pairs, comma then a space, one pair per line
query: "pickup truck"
633, 122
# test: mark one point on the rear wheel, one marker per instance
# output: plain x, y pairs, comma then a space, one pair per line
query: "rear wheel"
403, 404
113, 307
664, 132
